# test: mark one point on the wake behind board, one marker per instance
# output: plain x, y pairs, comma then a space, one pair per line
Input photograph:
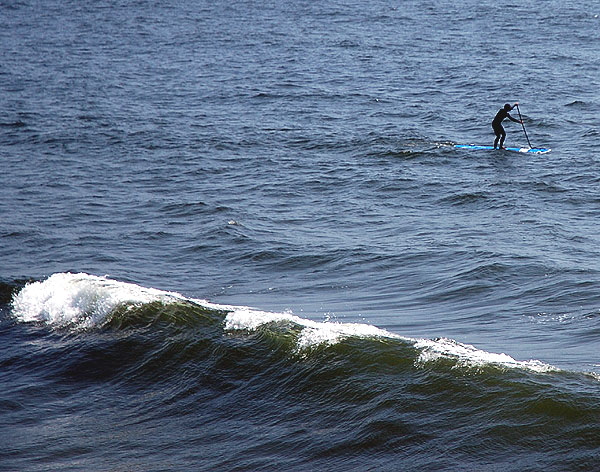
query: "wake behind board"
513, 149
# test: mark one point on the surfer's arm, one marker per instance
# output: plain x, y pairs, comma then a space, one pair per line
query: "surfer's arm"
512, 119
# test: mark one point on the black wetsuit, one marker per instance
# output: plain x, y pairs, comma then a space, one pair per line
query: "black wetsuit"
498, 128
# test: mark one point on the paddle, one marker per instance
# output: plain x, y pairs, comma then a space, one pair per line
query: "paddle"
523, 125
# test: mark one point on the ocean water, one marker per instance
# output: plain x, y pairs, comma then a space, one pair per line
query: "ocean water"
237, 236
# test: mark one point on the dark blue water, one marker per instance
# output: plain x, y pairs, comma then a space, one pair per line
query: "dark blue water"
238, 236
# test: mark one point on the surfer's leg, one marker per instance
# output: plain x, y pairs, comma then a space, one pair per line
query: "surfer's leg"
502, 138
500, 134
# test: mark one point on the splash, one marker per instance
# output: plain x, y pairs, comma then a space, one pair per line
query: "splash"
80, 300
466, 355
313, 333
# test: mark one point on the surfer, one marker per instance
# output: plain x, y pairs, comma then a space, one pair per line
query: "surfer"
497, 124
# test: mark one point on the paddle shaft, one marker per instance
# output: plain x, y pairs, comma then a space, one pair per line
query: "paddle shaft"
523, 125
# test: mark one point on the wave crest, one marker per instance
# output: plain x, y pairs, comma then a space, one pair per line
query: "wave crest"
80, 300
84, 301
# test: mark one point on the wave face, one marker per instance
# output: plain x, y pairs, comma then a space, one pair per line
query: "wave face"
80, 301
133, 362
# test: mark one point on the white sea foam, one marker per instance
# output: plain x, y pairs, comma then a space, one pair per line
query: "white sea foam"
312, 333
469, 356
594, 375
315, 333
84, 301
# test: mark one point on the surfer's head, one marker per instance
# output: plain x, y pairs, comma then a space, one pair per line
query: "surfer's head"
507, 107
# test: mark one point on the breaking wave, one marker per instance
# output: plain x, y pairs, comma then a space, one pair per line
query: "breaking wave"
82, 301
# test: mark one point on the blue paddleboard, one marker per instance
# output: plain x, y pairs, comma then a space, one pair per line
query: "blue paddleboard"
514, 149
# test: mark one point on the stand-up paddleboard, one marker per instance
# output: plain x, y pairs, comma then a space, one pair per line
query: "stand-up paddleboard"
513, 149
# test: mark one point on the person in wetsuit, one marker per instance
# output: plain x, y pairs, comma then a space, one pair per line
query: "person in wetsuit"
497, 124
